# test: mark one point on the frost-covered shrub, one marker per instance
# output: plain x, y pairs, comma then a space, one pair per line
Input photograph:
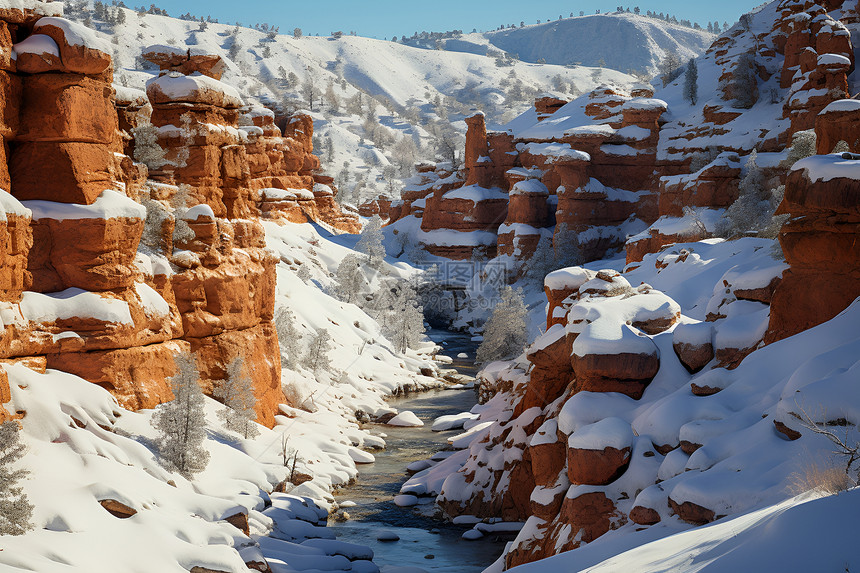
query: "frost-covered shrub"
317, 356
349, 280
701, 159
156, 216
841, 147
146, 147
370, 242
802, 145
505, 333
397, 309
15, 507
182, 231
753, 212
236, 392
288, 338
181, 423
745, 81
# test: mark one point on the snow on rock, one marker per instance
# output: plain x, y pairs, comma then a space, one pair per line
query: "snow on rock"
607, 433
407, 419
405, 500
75, 34
554, 152
37, 44
109, 205
841, 105
74, 303
453, 421
828, 167
194, 88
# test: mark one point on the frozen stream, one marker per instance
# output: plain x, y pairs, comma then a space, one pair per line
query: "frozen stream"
421, 535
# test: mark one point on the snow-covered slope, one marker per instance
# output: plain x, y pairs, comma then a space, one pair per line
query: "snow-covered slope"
620, 41
804, 533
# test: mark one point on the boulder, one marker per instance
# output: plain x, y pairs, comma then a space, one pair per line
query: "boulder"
196, 88
691, 512
644, 515
596, 467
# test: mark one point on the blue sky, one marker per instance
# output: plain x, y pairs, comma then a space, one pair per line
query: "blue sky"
386, 18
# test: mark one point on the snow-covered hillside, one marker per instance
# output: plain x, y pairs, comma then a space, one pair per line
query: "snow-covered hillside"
380, 106
621, 41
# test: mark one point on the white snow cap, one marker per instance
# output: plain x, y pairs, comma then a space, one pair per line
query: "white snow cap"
110, 205
827, 167
607, 433
646, 104
75, 34
841, 105
36, 44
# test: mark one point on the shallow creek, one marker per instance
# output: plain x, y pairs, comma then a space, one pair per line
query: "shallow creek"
426, 542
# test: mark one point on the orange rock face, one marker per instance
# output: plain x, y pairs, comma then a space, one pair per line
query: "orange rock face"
596, 467
79, 171
821, 246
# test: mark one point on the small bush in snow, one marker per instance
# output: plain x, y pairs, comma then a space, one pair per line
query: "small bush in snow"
399, 313
182, 231
156, 216
181, 423
505, 332
841, 147
15, 507
566, 247
236, 392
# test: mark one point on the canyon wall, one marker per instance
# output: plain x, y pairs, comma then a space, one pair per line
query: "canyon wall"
638, 406
609, 172
132, 221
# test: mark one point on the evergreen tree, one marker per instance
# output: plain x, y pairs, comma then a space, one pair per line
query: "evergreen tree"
181, 423
691, 82
505, 332
349, 280
15, 508
288, 338
370, 242
236, 392
317, 357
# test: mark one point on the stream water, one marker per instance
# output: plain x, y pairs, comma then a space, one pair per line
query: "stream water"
426, 541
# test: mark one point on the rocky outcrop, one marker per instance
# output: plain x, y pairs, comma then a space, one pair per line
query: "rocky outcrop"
107, 274
820, 242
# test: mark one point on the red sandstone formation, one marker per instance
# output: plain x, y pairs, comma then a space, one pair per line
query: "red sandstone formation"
820, 242
82, 297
